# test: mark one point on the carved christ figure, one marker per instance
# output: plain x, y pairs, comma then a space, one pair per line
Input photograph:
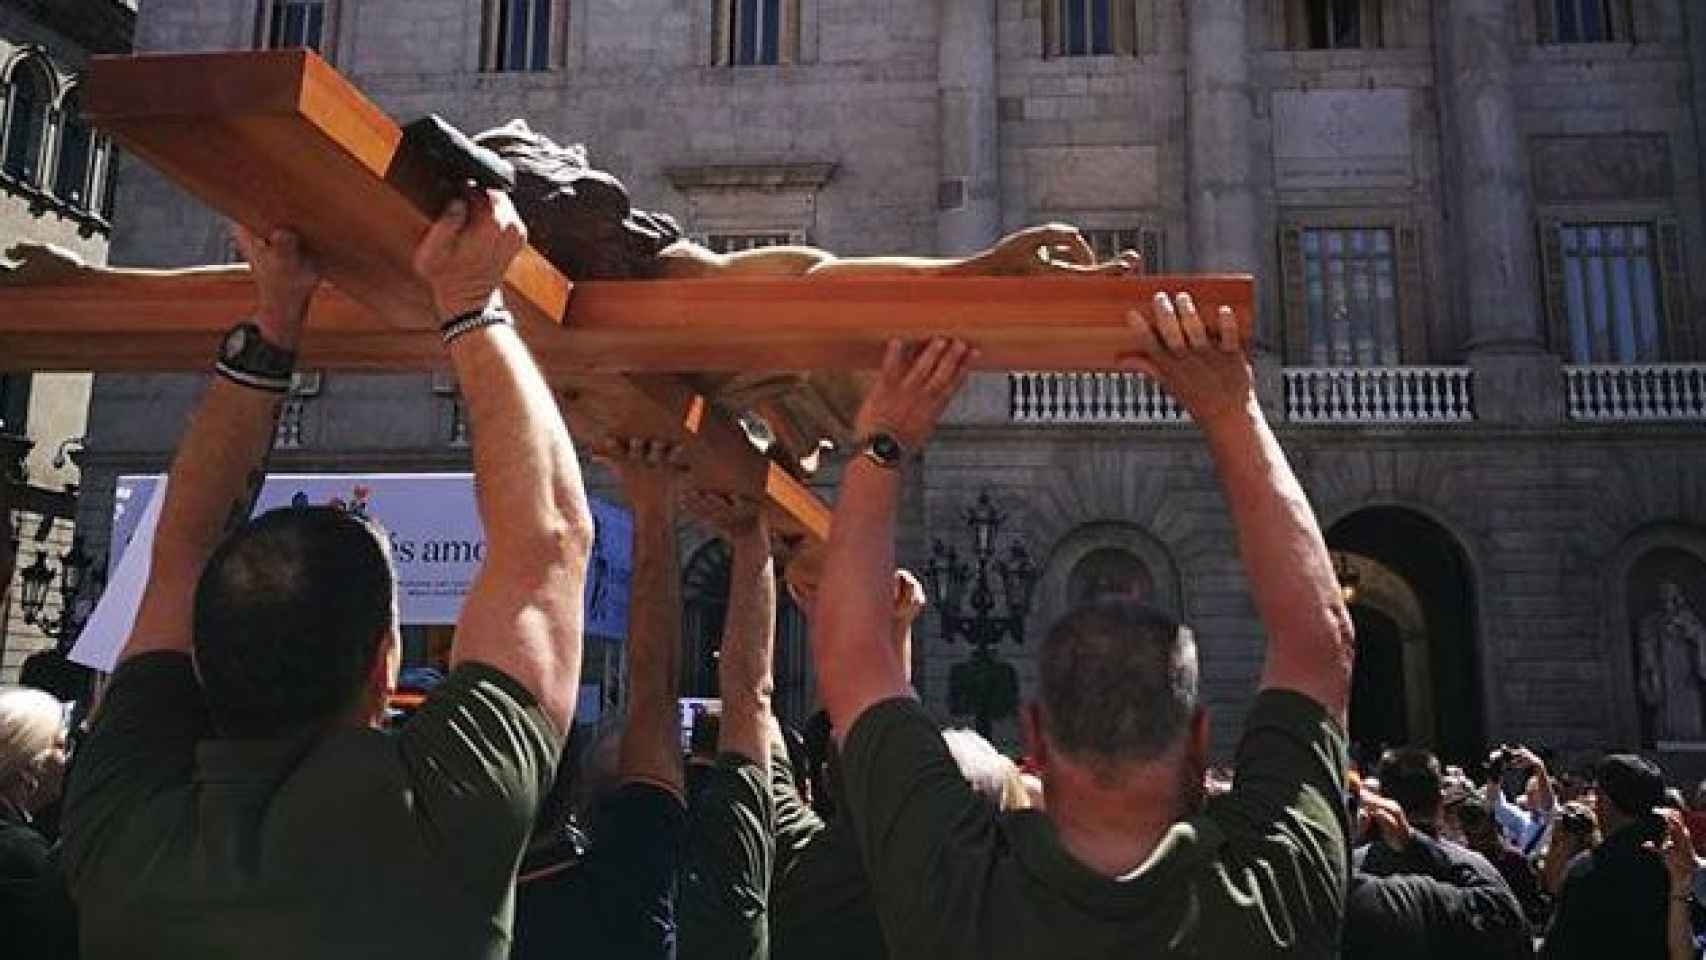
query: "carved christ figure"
580, 219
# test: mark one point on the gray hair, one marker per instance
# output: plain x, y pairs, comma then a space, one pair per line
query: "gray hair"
1119, 684
30, 722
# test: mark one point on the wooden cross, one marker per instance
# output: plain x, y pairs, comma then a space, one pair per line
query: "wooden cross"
279, 138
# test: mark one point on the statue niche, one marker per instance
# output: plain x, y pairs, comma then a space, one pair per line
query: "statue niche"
1670, 648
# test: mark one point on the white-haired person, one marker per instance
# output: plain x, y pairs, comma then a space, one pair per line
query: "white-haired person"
35, 912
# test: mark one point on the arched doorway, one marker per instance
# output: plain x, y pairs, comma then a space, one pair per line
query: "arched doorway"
1109, 571
704, 612
1411, 595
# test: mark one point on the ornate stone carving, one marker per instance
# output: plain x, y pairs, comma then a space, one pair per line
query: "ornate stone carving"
1600, 169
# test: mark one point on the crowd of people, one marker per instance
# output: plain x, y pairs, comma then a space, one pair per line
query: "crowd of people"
243, 788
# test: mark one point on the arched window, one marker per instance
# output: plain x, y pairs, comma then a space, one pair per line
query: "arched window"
76, 155
28, 97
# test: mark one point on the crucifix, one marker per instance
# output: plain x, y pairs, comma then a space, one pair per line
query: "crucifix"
279, 138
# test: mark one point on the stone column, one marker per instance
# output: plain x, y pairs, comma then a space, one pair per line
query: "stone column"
1496, 251
1496, 255
968, 204
1225, 221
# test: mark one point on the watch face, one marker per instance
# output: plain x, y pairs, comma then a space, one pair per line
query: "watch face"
885, 448
235, 342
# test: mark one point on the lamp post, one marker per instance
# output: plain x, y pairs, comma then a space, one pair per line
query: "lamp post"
74, 575
982, 685
1349, 577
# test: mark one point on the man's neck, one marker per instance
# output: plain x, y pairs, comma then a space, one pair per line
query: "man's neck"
1113, 830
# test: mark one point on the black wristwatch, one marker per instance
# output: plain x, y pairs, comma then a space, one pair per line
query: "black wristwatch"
246, 357
883, 450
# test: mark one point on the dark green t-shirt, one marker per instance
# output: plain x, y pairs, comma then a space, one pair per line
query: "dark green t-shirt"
1260, 872
359, 843
820, 900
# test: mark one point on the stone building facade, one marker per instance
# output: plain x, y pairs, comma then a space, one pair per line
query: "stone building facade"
1478, 226
55, 187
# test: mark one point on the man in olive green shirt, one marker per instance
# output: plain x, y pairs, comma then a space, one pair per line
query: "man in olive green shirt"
1129, 859
236, 796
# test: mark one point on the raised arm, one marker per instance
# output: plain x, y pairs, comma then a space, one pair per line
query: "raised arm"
523, 613
1310, 639
744, 670
650, 750
222, 460
857, 663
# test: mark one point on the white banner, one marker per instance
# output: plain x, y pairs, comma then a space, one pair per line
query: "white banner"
437, 544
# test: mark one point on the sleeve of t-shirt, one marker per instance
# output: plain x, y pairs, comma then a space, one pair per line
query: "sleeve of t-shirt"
480, 755
1287, 798
143, 741
926, 838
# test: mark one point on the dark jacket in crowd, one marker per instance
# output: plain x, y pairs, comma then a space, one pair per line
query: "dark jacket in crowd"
1436, 900
1614, 902
614, 897
36, 914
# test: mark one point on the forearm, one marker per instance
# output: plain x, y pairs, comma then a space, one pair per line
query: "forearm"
651, 747
531, 500
856, 665
745, 668
1290, 573
214, 479
1548, 799
1679, 929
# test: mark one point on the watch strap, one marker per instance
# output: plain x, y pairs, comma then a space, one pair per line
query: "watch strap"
258, 364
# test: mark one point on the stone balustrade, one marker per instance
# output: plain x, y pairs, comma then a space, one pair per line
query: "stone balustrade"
1362, 395
1622, 393
1089, 398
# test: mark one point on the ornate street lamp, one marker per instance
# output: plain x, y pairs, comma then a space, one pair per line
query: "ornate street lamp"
982, 685
74, 576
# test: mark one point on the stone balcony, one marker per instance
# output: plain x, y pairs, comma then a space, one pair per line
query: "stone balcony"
1497, 390
1635, 393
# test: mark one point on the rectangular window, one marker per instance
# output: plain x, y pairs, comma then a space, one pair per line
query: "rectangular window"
1612, 306
738, 242
295, 23
1087, 28
1585, 21
519, 35
1334, 24
1350, 297
754, 33
1110, 243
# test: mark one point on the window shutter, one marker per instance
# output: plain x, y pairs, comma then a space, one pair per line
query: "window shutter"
1673, 279
1145, 30
1373, 26
722, 25
1552, 282
1150, 245
788, 39
1412, 326
1545, 22
1051, 28
1296, 315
